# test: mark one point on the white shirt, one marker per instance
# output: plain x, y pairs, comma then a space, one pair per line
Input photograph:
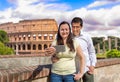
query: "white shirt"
86, 44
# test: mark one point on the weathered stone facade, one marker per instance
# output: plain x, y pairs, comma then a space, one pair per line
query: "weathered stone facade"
30, 36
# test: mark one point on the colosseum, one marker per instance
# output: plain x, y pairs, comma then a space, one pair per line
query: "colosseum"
30, 36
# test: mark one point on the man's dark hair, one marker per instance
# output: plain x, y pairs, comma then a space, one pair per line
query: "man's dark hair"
77, 20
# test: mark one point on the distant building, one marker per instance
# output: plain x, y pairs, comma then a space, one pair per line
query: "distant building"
30, 36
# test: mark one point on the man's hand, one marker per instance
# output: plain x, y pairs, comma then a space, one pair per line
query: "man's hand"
91, 69
50, 51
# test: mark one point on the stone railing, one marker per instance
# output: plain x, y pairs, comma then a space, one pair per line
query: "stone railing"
107, 70
36, 68
24, 68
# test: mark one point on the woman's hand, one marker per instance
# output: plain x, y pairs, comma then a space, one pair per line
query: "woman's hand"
50, 51
77, 76
54, 58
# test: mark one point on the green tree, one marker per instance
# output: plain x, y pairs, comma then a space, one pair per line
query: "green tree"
4, 50
97, 40
3, 36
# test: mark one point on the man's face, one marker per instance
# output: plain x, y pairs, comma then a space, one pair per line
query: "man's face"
76, 28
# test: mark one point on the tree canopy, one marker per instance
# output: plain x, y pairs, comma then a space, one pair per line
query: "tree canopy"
3, 36
4, 50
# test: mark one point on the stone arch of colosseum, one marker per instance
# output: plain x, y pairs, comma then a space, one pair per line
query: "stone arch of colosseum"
30, 36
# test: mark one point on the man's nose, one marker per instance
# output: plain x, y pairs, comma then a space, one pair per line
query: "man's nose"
75, 28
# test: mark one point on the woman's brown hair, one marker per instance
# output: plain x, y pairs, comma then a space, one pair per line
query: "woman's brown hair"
69, 41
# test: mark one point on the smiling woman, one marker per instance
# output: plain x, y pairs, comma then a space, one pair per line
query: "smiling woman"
63, 67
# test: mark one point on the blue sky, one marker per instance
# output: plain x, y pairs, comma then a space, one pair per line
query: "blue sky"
74, 4
4, 4
101, 17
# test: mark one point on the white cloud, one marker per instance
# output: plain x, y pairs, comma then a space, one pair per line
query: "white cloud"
97, 3
102, 22
99, 22
5, 16
35, 9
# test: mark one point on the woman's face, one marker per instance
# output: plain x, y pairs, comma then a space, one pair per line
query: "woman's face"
64, 31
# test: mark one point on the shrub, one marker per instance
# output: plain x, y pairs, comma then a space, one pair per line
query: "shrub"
101, 56
113, 54
4, 50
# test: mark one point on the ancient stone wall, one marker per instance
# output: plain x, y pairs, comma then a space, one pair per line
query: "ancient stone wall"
36, 68
30, 36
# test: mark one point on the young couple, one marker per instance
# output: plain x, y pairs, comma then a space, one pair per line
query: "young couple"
79, 58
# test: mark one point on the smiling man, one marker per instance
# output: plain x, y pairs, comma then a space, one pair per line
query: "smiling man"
87, 47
